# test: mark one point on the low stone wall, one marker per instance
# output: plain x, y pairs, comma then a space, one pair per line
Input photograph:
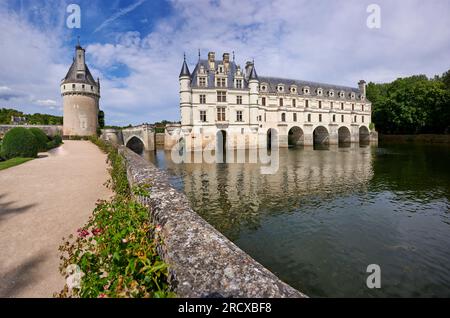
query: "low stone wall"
421, 138
50, 130
202, 261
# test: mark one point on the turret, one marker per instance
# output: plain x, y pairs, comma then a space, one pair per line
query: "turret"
185, 96
80, 93
253, 84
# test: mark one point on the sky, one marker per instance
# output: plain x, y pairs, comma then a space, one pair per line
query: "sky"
136, 47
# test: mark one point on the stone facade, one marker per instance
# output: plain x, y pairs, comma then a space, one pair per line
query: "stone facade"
220, 98
81, 94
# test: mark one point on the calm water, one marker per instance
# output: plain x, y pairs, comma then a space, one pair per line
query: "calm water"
325, 215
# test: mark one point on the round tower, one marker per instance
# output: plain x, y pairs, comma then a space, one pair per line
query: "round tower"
81, 94
253, 84
185, 98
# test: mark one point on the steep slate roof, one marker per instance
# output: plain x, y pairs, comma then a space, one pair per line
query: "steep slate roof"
211, 74
71, 76
273, 82
185, 70
253, 74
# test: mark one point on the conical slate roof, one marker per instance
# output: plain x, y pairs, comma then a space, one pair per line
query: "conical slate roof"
73, 77
185, 70
253, 75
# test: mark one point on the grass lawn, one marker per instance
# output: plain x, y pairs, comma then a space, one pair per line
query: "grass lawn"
13, 162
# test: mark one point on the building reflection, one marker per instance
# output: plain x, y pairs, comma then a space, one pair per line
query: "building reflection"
231, 196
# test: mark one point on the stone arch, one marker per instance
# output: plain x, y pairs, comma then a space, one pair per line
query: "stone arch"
272, 138
344, 136
364, 134
321, 136
136, 144
296, 137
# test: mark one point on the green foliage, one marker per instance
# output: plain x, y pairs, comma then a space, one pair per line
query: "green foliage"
55, 142
117, 249
34, 119
411, 105
101, 119
13, 162
41, 138
19, 142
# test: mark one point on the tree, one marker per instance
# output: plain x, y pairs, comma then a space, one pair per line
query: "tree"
101, 119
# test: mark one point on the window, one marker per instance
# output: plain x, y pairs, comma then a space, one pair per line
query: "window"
202, 81
294, 116
239, 115
238, 83
342, 118
82, 86
309, 117
73, 86
281, 102
265, 117
342, 106
362, 118
242, 131
220, 113
221, 96
239, 100
220, 69
263, 101
355, 119
334, 118
92, 88
283, 117
202, 99
353, 107
294, 103
320, 104
320, 117
306, 103
263, 88
203, 116
64, 86
331, 105
221, 82
362, 107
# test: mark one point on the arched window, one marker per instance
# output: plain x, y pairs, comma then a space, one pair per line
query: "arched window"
283, 117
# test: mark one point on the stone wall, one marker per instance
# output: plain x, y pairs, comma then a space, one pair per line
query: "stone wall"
203, 262
159, 139
50, 130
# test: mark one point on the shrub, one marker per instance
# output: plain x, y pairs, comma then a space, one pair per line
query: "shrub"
19, 142
57, 139
41, 138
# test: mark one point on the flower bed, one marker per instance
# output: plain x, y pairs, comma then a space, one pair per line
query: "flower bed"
114, 254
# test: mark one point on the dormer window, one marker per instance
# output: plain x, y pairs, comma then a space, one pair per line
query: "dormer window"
202, 81
263, 88
306, 90
238, 83
331, 93
362, 97
202, 69
220, 68
341, 94
352, 95
319, 92
293, 89
221, 82
280, 88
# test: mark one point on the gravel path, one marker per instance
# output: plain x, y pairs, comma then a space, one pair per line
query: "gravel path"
40, 202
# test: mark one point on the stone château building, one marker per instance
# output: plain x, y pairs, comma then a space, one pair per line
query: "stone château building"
219, 97
81, 94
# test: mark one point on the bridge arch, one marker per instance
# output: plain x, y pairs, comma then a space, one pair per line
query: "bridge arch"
321, 136
344, 136
296, 137
364, 134
135, 143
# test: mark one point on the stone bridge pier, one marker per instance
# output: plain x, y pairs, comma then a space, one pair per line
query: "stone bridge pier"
139, 138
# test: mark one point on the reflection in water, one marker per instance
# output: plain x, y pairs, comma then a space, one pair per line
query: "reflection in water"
325, 215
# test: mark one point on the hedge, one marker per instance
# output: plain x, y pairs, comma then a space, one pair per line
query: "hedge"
19, 142
41, 138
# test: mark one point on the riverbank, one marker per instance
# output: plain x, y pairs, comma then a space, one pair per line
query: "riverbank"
40, 202
421, 138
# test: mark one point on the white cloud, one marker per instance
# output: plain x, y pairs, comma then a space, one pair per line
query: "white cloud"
46, 102
324, 41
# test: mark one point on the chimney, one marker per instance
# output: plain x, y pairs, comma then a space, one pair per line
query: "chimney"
211, 57
248, 68
362, 87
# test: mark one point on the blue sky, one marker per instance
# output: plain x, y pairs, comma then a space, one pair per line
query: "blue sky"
136, 46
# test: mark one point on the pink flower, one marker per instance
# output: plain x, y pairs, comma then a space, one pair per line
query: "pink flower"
102, 295
96, 231
158, 228
82, 232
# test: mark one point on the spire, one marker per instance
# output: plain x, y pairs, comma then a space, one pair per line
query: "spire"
233, 56
78, 43
253, 75
199, 55
184, 68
